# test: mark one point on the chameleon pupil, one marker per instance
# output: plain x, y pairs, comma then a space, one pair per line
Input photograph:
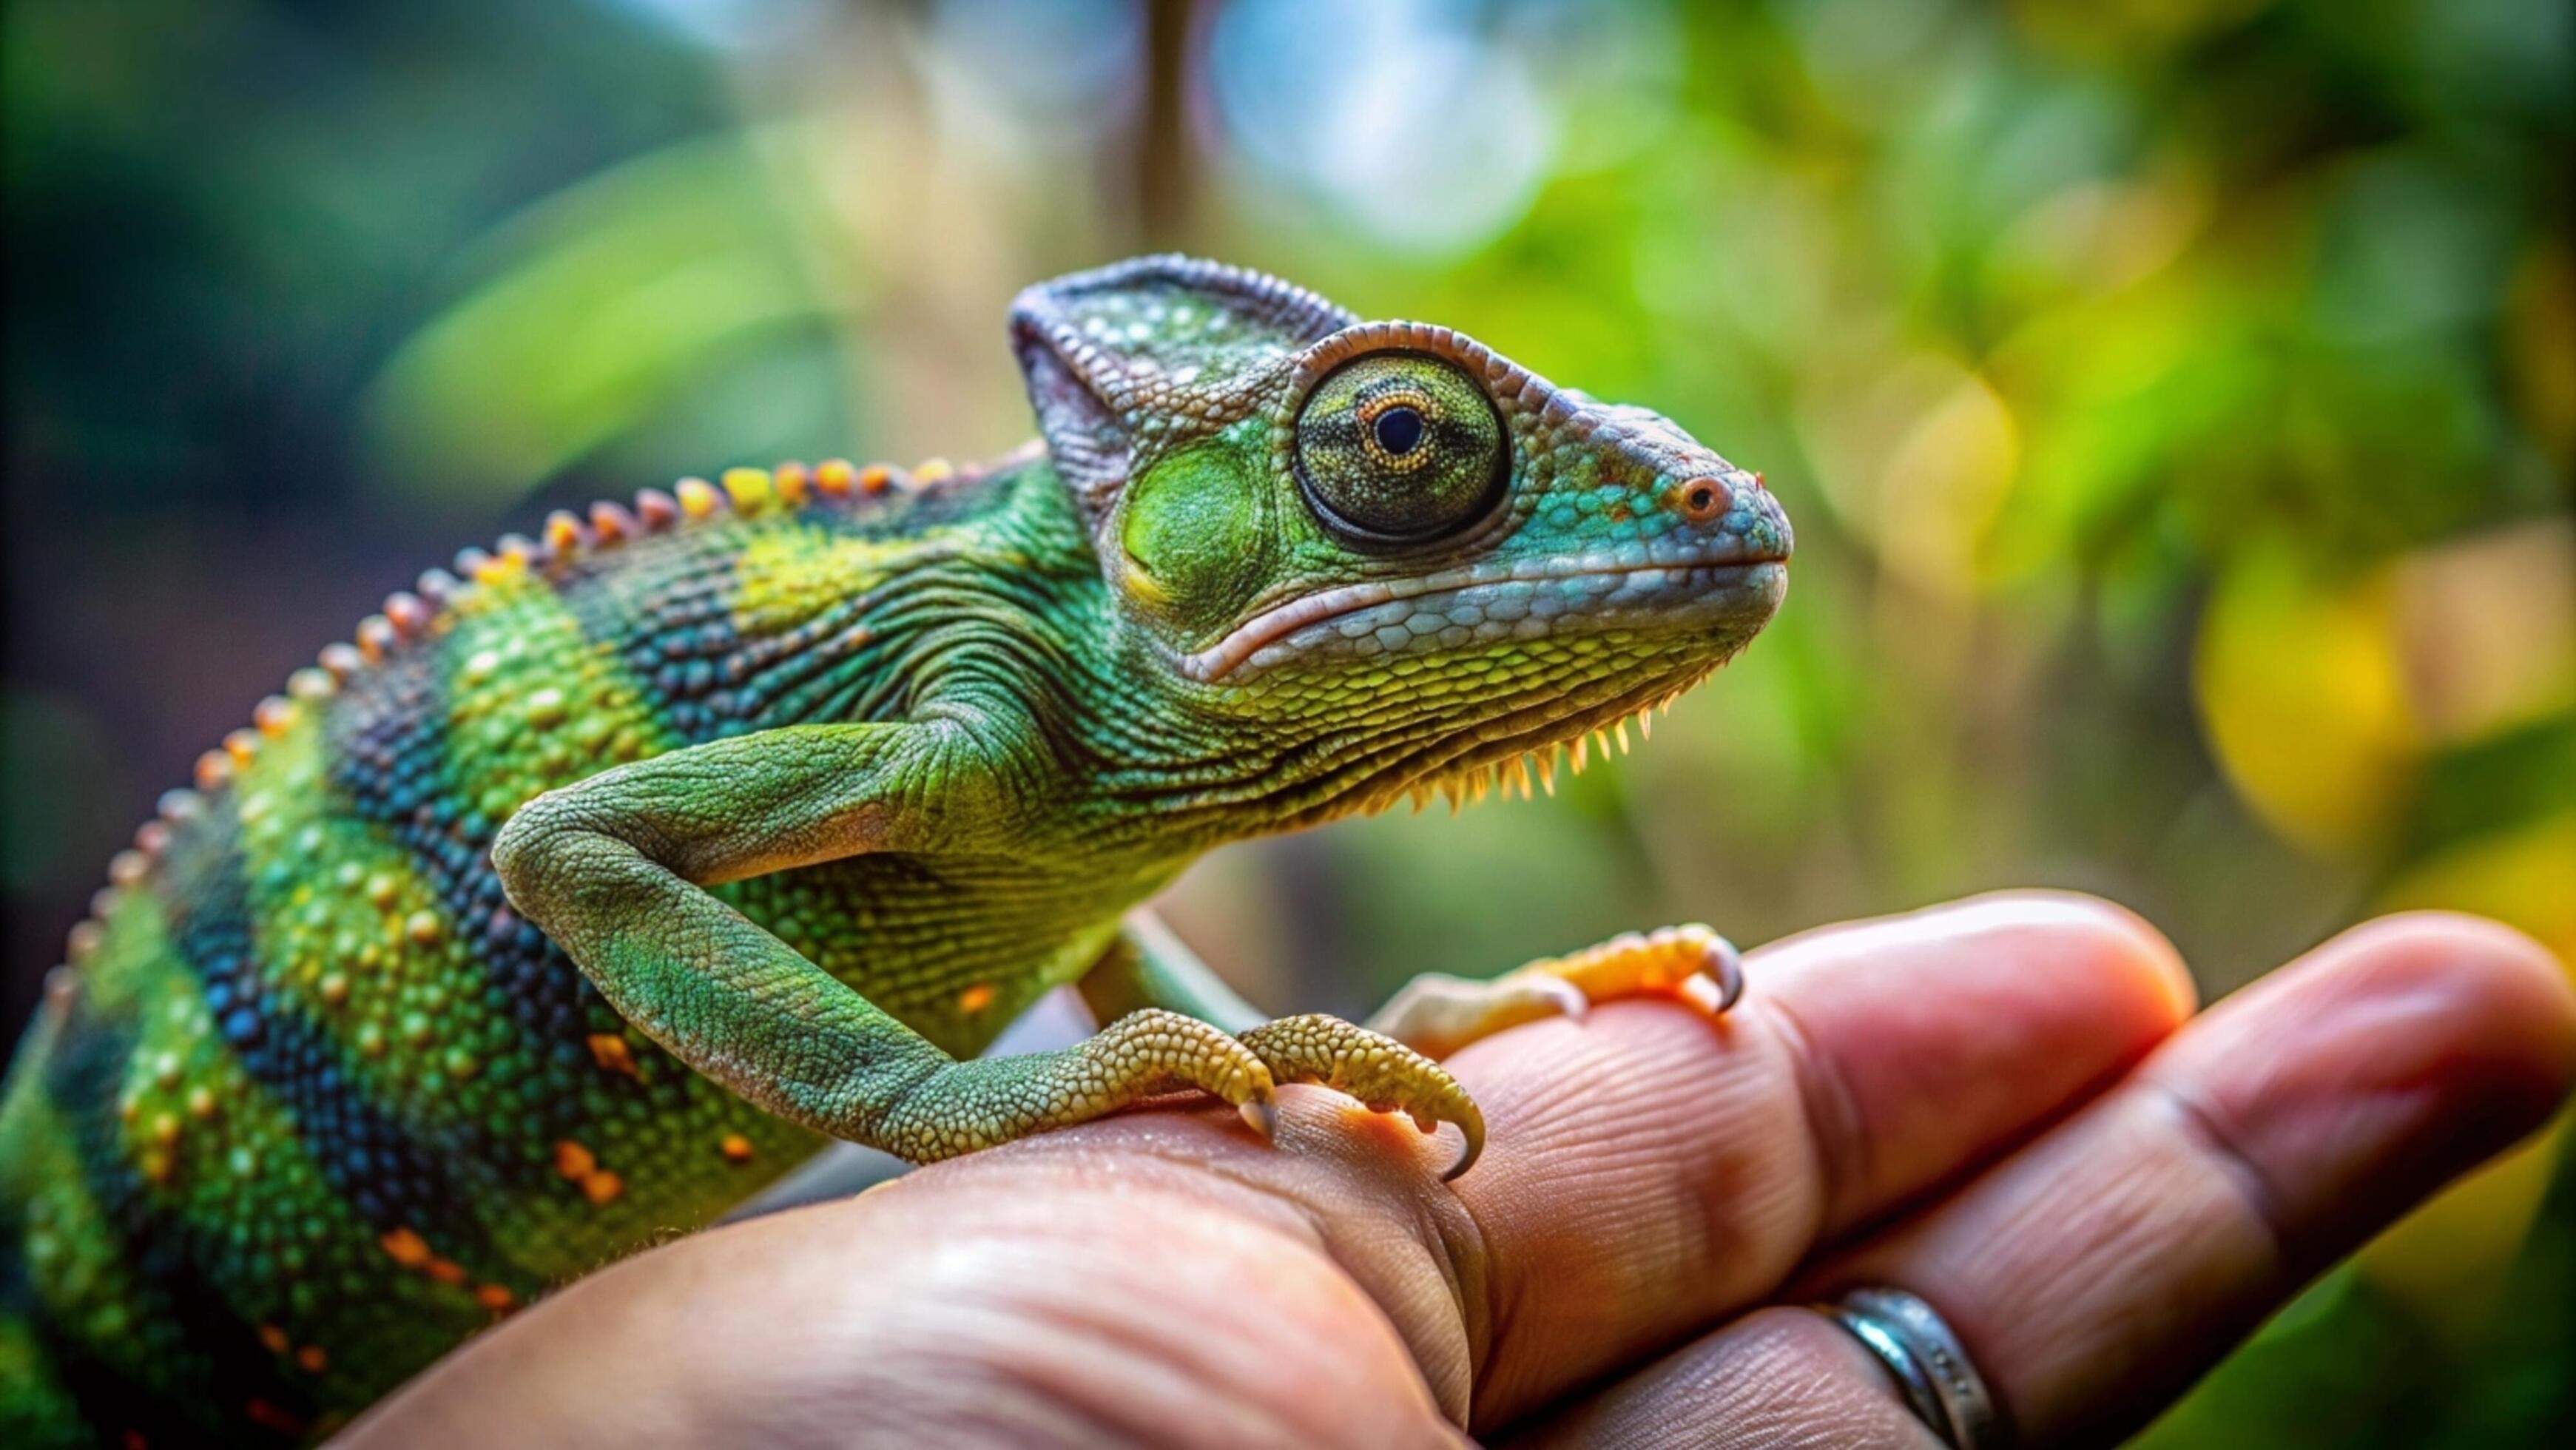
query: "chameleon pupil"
1398, 430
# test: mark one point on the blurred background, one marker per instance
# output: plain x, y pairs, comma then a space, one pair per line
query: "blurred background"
2176, 400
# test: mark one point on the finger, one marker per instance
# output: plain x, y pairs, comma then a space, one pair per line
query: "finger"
1934, 1038
1776, 1379
1651, 1170
2094, 1273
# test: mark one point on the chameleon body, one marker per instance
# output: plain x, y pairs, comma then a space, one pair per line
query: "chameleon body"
600, 880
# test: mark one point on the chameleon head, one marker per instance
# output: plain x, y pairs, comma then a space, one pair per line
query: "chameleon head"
1384, 532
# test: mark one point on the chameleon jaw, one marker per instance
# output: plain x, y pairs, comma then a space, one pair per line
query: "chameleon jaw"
1722, 570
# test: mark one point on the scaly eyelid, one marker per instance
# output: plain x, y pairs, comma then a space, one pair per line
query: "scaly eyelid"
1404, 394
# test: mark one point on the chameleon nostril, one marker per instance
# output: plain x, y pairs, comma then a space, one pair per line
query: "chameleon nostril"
1701, 499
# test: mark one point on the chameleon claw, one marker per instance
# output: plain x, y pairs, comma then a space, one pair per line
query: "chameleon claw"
1261, 1115
1568, 999
1728, 968
1719, 982
1382, 1074
1471, 1126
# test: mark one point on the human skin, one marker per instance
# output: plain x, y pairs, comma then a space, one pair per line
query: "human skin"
2006, 1105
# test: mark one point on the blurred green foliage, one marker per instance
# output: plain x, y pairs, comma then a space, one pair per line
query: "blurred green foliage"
2176, 400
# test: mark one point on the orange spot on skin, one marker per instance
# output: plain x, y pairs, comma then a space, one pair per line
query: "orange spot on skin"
602, 1188
875, 477
312, 1359
406, 1248
697, 497
445, 1271
610, 1051
271, 1417
495, 1297
241, 745
975, 998
274, 1338
835, 475
573, 1160
790, 480
736, 1148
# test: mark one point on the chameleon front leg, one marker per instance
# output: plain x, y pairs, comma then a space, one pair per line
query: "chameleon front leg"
1148, 968
614, 869
1437, 1014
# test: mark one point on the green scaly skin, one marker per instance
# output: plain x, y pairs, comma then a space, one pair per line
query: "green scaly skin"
600, 882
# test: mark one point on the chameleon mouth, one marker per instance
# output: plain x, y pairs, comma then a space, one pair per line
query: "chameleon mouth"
1728, 571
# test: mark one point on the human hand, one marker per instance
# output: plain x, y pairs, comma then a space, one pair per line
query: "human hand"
2004, 1106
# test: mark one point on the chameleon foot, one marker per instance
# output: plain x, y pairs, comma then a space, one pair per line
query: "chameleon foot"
1437, 1014
1384, 1074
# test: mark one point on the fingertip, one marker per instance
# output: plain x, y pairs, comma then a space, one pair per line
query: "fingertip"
2130, 943
2393, 1057
2089, 934
2511, 1005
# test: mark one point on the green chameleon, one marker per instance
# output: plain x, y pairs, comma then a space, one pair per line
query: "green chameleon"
601, 881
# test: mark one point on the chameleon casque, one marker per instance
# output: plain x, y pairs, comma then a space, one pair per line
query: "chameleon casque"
604, 879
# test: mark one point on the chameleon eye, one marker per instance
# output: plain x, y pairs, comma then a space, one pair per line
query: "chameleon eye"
1399, 447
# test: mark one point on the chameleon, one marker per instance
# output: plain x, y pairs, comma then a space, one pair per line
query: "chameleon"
603, 878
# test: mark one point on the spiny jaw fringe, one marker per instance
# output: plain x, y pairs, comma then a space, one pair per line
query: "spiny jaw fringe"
1533, 770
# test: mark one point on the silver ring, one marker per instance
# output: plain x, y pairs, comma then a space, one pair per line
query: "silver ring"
1927, 1362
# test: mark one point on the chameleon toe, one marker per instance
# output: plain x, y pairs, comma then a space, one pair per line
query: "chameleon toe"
1380, 1072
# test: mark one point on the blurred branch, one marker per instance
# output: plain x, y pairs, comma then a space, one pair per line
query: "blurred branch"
1166, 161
